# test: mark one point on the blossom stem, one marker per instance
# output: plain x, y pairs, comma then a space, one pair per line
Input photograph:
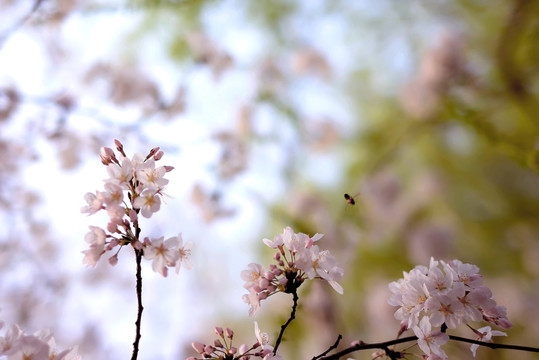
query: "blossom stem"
285, 325
495, 345
334, 346
385, 346
138, 255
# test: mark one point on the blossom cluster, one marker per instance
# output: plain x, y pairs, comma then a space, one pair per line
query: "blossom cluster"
16, 345
297, 260
444, 295
144, 184
223, 349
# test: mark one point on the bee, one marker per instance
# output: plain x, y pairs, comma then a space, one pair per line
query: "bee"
350, 199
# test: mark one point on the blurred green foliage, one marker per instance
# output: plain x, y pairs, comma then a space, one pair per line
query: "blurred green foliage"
442, 145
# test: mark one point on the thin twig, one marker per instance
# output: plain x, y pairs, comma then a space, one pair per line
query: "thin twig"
339, 338
284, 326
138, 255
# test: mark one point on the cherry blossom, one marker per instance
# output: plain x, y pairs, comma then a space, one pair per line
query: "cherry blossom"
485, 334
163, 254
444, 294
297, 260
222, 348
144, 184
16, 344
185, 254
148, 202
430, 341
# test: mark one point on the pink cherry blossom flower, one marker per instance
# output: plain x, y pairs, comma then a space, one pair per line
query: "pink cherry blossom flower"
116, 214
9, 341
185, 254
263, 339
29, 347
95, 203
253, 301
121, 175
468, 274
486, 334
163, 254
430, 341
275, 243
497, 315
150, 176
252, 276
445, 309
114, 194
148, 202
96, 238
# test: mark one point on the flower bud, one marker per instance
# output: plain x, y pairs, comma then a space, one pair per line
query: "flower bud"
218, 344
199, 347
208, 349
113, 260
107, 156
158, 155
219, 331
229, 333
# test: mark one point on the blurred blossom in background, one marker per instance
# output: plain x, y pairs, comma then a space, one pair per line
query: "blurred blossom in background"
269, 112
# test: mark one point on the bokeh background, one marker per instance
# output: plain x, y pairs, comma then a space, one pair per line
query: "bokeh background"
269, 111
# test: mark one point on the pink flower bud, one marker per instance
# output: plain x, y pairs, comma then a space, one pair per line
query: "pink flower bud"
199, 347
232, 350
158, 155
229, 333
169, 168
107, 155
218, 344
208, 349
113, 260
269, 275
153, 152
119, 147
219, 331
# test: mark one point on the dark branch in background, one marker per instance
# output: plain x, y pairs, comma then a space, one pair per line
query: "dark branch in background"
19, 23
508, 45
396, 355
138, 254
285, 325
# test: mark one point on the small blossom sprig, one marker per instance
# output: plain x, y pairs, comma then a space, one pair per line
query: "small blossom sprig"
297, 260
144, 184
223, 349
15, 344
445, 295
